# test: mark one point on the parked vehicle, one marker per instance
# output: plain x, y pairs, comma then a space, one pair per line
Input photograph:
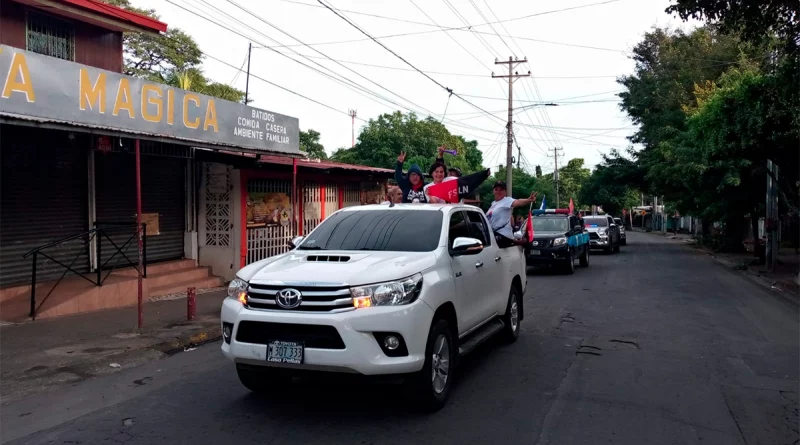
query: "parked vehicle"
558, 240
376, 290
603, 233
622, 237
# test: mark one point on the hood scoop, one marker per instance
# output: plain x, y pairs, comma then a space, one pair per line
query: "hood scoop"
328, 258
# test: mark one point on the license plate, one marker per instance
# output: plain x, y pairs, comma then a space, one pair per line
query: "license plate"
535, 252
285, 352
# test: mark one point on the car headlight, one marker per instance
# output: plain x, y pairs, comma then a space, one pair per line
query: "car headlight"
237, 289
601, 231
560, 241
392, 293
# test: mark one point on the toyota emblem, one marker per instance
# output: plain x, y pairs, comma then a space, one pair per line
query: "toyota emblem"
289, 298
536, 243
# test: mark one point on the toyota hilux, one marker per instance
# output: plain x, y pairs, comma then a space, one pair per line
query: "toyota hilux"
377, 290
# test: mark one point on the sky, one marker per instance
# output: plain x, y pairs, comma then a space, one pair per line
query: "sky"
575, 49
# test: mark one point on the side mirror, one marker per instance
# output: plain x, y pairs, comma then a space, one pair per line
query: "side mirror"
294, 242
466, 246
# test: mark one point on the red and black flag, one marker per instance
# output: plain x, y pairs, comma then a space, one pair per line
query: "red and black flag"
454, 189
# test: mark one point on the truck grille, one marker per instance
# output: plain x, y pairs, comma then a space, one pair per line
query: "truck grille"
312, 336
594, 235
314, 298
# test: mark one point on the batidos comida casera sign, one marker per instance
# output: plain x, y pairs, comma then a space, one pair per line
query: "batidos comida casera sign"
48, 89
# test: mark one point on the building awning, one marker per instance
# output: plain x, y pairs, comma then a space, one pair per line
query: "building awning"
50, 91
100, 14
324, 165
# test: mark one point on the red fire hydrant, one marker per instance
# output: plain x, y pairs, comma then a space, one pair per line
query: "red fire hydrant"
191, 303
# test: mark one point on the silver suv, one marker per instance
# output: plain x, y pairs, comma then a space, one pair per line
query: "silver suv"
603, 233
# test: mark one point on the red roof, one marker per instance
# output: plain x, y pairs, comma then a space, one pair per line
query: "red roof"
100, 10
312, 163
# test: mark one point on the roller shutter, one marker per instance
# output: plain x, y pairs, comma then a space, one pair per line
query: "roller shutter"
162, 192
43, 198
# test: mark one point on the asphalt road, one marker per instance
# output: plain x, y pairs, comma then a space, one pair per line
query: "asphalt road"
654, 345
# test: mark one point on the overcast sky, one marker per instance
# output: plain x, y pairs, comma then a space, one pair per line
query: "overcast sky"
574, 54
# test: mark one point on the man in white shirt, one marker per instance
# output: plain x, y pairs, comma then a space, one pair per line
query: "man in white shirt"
501, 212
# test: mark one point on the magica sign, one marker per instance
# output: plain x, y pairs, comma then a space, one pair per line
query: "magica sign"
56, 90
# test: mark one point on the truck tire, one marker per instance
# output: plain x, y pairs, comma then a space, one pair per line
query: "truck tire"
585, 256
430, 387
513, 316
569, 266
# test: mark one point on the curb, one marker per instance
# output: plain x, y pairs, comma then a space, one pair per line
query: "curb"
198, 337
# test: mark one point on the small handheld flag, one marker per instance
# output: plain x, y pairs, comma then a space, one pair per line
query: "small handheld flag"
571, 207
544, 203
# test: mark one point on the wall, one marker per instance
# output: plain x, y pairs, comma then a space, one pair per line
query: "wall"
94, 46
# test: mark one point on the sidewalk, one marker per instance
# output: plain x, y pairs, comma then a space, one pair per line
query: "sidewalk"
781, 280
38, 355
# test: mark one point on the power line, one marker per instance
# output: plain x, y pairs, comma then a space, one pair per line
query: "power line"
404, 60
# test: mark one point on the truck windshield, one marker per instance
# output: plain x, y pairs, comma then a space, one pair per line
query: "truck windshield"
383, 230
596, 222
550, 224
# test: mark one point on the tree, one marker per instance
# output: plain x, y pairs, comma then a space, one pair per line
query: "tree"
383, 138
309, 143
609, 185
173, 58
571, 178
753, 20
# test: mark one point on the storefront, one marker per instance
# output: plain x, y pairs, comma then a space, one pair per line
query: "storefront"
271, 217
71, 136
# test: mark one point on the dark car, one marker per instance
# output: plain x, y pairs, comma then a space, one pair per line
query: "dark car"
558, 240
623, 238
603, 233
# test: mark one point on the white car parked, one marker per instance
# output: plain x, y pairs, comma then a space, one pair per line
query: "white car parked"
376, 290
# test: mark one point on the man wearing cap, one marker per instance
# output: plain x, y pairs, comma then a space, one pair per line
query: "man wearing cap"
500, 213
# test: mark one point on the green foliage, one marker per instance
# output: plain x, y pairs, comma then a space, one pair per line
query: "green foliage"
172, 58
571, 179
309, 143
609, 185
707, 128
755, 20
383, 138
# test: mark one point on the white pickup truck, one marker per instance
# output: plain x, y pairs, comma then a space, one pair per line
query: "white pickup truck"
376, 290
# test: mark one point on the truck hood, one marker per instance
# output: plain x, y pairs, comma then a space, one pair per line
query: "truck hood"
341, 267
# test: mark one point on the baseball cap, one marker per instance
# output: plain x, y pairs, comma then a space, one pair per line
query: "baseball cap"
500, 184
454, 169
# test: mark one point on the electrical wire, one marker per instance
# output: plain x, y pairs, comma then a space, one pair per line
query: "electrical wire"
404, 60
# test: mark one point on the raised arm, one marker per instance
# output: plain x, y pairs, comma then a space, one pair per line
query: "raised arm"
399, 177
524, 202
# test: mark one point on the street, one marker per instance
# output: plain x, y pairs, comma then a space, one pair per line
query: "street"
654, 345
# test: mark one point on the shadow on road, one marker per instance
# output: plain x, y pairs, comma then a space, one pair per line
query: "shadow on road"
355, 399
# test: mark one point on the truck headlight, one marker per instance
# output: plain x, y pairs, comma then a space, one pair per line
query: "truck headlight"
237, 289
391, 293
560, 241
601, 231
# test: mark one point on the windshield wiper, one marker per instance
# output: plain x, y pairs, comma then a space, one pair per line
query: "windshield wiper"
310, 248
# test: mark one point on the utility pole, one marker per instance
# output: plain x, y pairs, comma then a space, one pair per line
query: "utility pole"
512, 76
555, 174
247, 80
352, 114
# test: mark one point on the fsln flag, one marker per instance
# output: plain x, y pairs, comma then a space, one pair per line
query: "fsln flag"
454, 190
544, 203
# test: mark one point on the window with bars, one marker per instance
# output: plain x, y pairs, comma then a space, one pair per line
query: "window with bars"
50, 36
